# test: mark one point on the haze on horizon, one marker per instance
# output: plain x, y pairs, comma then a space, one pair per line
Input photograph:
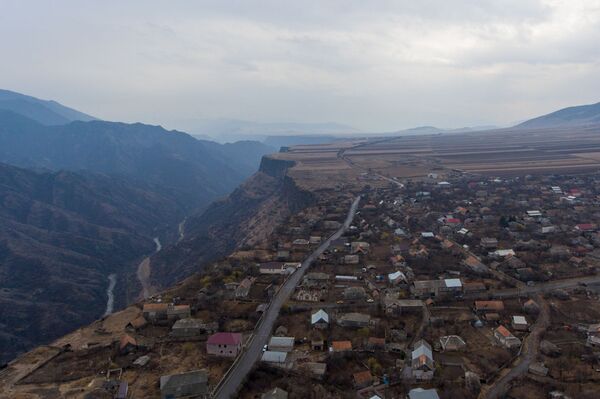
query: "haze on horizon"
376, 66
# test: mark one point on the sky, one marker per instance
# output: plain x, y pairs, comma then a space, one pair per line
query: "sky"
374, 65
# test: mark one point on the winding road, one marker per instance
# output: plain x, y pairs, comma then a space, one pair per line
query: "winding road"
235, 377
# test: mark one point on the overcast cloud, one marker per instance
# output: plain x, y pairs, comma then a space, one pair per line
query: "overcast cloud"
375, 65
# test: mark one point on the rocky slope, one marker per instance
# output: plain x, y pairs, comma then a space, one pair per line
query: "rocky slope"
246, 217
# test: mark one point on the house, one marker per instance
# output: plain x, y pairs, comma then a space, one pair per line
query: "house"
397, 278
224, 344
420, 393
376, 344
502, 253
422, 364
489, 243
274, 357
122, 391
400, 306
281, 344
505, 338
519, 323
243, 289
489, 306
359, 247
434, 288
136, 324
155, 312
272, 268
316, 280
362, 379
319, 319
584, 227
314, 240
192, 328
354, 320
354, 293
538, 368
177, 312
190, 384
475, 264
534, 214
340, 347
452, 343
127, 344
276, 393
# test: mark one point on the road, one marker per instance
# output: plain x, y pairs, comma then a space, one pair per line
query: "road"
529, 353
538, 288
236, 376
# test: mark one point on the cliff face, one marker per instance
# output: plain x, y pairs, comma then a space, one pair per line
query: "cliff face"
246, 217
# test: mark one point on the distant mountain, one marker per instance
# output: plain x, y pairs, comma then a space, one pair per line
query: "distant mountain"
196, 171
61, 235
41, 111
572, 116
228, 130
425, 130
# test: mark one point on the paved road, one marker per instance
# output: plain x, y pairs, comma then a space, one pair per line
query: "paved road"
234, 379
538, 288
529, 353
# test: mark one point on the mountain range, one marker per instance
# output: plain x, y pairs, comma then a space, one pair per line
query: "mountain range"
83, 199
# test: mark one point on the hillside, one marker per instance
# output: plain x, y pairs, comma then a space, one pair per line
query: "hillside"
41, 111
196, 171
572, 116
61, 235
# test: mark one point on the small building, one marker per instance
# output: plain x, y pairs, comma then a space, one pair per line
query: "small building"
190, 384
354, 293
420, 393
127, 344
489, 243
177, 312
155, 312
489, 306
185, 328
281, 344
538, 369
243, 289
362, 379
276, 393
376, 344
272, 268
319, 319
452, 343
354, 320
274, 357
397, 278
398, 307
519, 323
422, 364
224, 344
136, 324
359, 247
340, 347
506, 338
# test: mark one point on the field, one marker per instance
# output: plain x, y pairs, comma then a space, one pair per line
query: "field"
504, 152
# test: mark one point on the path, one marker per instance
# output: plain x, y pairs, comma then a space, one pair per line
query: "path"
234, 379
529, 353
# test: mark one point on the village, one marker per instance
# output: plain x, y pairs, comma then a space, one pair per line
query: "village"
449, 286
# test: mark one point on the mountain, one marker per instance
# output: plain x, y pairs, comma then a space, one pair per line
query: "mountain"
61, 235
228, 130
196, 171
41, 111
572, 116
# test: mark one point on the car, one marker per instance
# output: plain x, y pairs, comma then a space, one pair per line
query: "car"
370, 300
264, 349
339, 302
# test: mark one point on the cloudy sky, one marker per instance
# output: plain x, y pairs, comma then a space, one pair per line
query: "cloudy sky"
375, 65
